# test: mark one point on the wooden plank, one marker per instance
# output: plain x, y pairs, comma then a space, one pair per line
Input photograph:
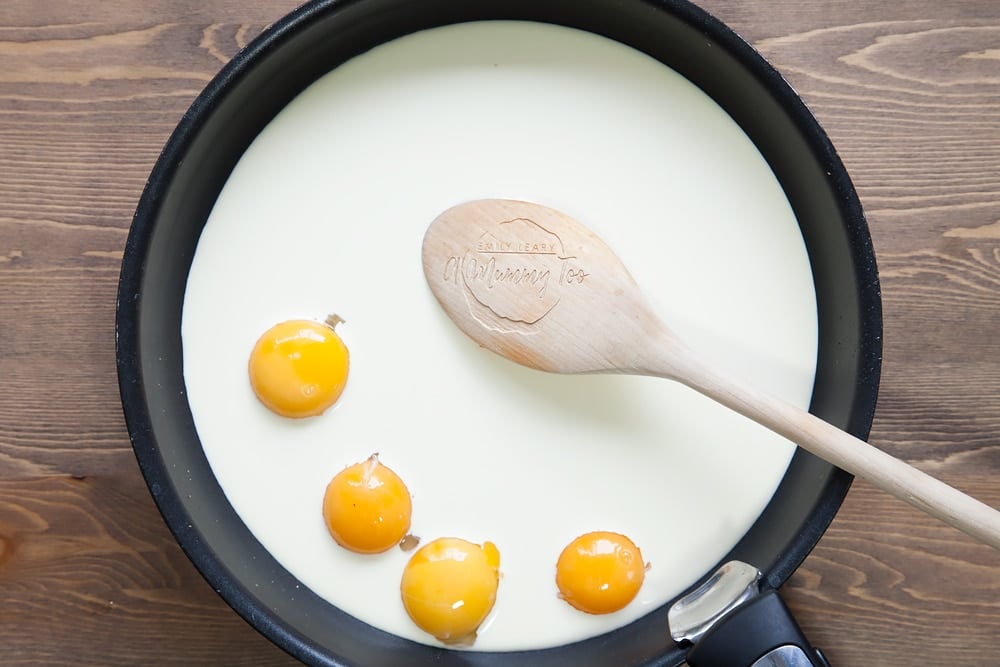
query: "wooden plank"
89, 574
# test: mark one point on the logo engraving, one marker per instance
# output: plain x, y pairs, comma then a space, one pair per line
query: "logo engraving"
517, 270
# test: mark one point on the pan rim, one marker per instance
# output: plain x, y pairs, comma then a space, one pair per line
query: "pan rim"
135, 272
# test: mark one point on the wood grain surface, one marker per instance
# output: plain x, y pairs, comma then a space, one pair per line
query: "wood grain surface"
909, 91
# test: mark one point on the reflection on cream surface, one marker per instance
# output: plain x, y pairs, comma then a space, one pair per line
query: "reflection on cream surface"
326, 213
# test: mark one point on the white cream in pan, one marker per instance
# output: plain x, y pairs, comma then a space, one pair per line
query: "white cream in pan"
326, 212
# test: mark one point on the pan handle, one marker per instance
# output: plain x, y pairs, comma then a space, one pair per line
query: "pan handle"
729, 621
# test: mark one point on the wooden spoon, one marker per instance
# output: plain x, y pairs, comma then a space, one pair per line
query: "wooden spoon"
539, 288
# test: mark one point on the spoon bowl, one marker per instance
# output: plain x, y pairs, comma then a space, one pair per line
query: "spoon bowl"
536, 286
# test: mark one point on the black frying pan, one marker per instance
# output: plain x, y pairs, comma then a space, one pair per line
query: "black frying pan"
255, 86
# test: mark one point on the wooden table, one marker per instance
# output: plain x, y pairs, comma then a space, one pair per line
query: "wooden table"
89, 574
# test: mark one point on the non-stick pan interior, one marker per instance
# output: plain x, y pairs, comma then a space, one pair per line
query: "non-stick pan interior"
257, 84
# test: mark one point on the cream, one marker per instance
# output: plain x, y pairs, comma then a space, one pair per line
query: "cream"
325, 213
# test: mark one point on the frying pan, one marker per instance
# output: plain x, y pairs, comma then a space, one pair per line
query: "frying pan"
733, 616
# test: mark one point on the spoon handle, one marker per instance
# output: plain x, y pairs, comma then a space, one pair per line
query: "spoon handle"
842, 449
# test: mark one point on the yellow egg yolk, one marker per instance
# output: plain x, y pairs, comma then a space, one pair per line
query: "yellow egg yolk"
600, 572
449, 587
299, 368
367, 507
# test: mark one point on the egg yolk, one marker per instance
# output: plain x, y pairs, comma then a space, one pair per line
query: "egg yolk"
367, 507
449, 587
299, 368
600, 572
